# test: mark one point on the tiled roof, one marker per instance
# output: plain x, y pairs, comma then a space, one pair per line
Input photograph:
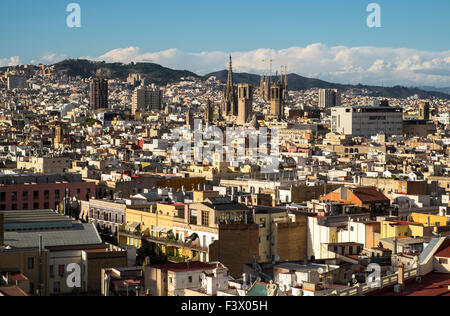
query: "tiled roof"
369, 195
184, 266
12, 291
443, 253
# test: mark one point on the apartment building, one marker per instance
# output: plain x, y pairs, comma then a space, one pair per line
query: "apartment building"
367, 121
42, 191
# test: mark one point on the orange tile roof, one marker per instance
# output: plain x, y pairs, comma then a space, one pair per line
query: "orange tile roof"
444, 253
369, 195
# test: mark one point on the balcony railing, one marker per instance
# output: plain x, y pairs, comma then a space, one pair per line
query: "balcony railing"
164, 241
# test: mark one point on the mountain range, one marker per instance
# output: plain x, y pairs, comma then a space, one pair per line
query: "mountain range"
297, 82
161, 75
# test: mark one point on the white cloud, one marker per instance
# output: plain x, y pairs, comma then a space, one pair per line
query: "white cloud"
12, 61
49, 58
367, 65
340, 64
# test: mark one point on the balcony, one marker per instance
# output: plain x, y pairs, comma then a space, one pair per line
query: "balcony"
164, 241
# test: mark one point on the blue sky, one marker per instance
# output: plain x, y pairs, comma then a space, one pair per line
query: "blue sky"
33, 28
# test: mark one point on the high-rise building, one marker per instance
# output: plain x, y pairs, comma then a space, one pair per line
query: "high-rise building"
16, 82
276, 100
245, 103
147, 99
99, 93
329, 98
229, 103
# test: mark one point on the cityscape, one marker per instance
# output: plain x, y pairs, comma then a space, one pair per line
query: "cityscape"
242, 181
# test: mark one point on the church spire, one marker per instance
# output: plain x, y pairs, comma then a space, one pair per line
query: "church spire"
229, 106
230, 75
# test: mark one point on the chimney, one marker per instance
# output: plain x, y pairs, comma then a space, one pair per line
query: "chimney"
2, 230
395, 245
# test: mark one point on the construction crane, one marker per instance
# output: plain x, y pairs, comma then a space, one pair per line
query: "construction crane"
270, 66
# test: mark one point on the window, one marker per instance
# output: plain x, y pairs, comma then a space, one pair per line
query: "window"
2, 197
52, 271
30, 263
57, 194
205, 218
46, 194
36, 206
56, 287
193, 217
61, 270
14, 196
25, 206
443, 261
25, 195
170, 280
36, 195
190, 279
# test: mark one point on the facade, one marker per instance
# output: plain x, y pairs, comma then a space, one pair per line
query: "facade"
276, 101
98, 94
107, 216
245, 103
175, 279
147, 99
45, 164
367, 121
329, 98
16, 82
367, 198
42, 191
64, 242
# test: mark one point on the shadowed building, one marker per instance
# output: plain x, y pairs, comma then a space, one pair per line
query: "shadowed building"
99, 93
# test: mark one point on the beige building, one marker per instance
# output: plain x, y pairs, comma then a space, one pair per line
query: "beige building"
44, 164
175, 279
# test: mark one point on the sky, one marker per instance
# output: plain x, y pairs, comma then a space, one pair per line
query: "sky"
325, 39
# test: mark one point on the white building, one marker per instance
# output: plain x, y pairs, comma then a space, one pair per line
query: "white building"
367, 121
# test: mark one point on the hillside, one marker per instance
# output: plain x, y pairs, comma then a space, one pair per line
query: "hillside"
297, 83
155, 73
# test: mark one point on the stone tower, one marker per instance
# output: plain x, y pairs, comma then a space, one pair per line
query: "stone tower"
245, 103
276, 100
229, 103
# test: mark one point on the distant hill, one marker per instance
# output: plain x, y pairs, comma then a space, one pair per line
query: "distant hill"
443, 90
155, 73
297, 83
161, 75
